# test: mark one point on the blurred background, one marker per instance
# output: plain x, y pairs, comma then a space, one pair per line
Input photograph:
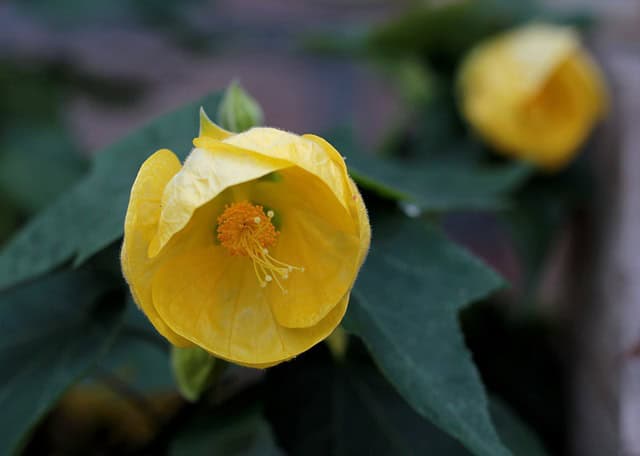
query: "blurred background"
77, 75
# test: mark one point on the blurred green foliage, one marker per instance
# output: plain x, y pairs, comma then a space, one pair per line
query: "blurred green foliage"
352, 409
51, 333
38, 157
235, 434
33, 145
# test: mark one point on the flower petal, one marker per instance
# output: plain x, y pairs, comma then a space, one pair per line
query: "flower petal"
364, 227
517, 64
559, 118
316, 233
354, 199
216, 303
206, 173
139, 228
300, 151
211, 130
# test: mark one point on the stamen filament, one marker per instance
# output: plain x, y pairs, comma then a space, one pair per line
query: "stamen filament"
245, 230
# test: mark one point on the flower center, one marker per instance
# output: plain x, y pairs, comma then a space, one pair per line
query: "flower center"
245, 230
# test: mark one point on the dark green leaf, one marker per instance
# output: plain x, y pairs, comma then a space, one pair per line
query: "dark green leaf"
440, 184
140, 356
51, 332
90, 216
405, 307
351, 409
37, 163
443, 186
367, 407
519, 359
247, 434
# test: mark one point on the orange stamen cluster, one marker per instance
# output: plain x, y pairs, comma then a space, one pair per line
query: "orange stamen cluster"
245, 230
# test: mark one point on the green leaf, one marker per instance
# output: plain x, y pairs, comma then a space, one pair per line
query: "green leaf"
439, 184
51, 333
246, 434
519, 359
139, 356
194, 369
351, 409
90, 216
405, 307
37, 163
385, 423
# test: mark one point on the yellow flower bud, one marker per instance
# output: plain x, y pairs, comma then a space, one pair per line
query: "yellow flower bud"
534, 93
249, 249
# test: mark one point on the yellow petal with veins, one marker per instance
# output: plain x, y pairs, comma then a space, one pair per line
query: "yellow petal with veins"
316, 233
139, 228
206, 173
216, 306
353, 198
297, 150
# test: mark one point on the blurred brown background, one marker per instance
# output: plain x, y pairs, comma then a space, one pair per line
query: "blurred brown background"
256, 41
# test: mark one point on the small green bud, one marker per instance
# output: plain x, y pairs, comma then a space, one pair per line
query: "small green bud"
337, 343
238, 110
194, 370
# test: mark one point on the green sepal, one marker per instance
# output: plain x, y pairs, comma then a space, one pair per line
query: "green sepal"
194, 370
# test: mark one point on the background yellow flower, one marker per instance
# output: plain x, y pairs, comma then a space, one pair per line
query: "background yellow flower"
533, 93
250, 249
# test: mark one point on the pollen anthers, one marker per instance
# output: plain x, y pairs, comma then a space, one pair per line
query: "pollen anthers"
245, 230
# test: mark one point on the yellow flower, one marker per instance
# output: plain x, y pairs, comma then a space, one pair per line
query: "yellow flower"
534, 93
250, 249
